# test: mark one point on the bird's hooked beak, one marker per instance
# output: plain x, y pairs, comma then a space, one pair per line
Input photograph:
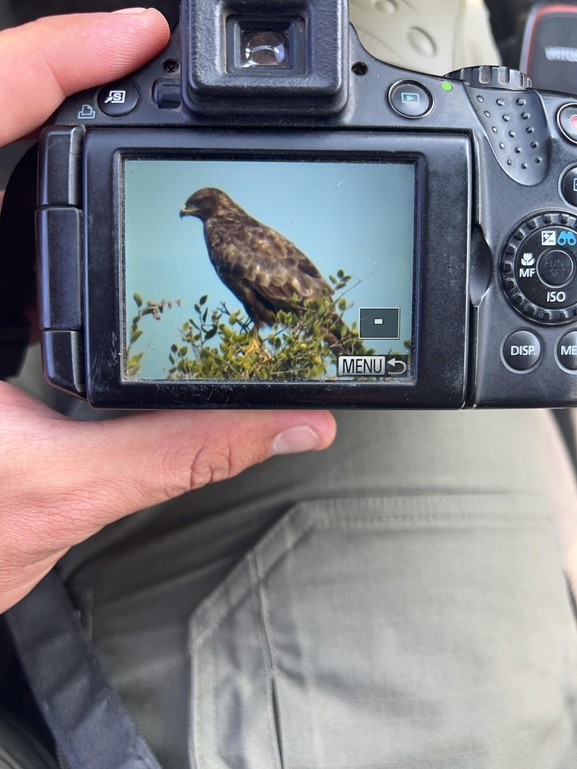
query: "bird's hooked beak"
192, 211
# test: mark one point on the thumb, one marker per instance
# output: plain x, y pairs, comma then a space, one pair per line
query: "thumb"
45, 61
64, 480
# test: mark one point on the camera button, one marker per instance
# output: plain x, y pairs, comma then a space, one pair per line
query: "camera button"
567, 119
522, 351
567, 351
569, 185
118, 99
555, 268
410, 99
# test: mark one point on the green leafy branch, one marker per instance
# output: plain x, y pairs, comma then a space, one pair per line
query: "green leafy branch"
299, 346
156, 309
222, 345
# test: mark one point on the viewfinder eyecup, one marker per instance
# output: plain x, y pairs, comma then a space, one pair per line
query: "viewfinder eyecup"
278, 56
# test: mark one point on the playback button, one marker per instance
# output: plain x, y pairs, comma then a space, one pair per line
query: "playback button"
522, 351
410, 99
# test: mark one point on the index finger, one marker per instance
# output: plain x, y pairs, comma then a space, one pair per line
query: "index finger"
44, 62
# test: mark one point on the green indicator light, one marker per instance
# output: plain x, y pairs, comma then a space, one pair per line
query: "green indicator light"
446, 86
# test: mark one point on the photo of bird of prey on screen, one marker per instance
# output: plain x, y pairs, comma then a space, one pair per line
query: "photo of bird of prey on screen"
268, 271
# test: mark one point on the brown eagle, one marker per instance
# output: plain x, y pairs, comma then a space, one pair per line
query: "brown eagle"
261, 267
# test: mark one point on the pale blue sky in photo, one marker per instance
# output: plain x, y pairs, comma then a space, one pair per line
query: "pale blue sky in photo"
358, 217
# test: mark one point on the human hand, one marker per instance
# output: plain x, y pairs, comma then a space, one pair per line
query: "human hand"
60, 480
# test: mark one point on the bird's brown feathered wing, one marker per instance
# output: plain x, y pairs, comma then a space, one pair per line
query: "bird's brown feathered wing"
261, 267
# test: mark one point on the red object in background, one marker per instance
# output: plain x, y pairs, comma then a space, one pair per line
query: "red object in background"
549, 54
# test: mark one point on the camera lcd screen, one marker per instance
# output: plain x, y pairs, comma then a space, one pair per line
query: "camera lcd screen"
268, 270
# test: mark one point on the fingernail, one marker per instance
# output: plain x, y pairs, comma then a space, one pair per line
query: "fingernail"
131, 10
294, 440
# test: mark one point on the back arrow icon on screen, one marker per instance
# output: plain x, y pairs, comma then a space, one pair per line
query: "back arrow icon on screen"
393, 363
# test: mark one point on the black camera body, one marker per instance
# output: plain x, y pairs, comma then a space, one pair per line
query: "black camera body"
266, 216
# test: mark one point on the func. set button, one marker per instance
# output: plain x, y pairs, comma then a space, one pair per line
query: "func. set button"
522, 351
556, 268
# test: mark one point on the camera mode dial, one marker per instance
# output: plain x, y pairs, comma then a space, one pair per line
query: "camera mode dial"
539, 268
505, 78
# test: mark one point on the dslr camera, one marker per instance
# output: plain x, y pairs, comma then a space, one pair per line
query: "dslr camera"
267, 216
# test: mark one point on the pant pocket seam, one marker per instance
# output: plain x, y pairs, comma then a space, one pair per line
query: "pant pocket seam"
266, 642
276, 700
304, 518
250, 576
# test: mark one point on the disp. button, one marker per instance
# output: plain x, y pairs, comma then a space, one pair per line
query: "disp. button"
522, 351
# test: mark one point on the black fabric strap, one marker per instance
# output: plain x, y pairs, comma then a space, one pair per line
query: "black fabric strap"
83, 712
17, 262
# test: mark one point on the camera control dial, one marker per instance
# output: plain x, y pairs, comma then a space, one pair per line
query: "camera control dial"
539, 268
487, 76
